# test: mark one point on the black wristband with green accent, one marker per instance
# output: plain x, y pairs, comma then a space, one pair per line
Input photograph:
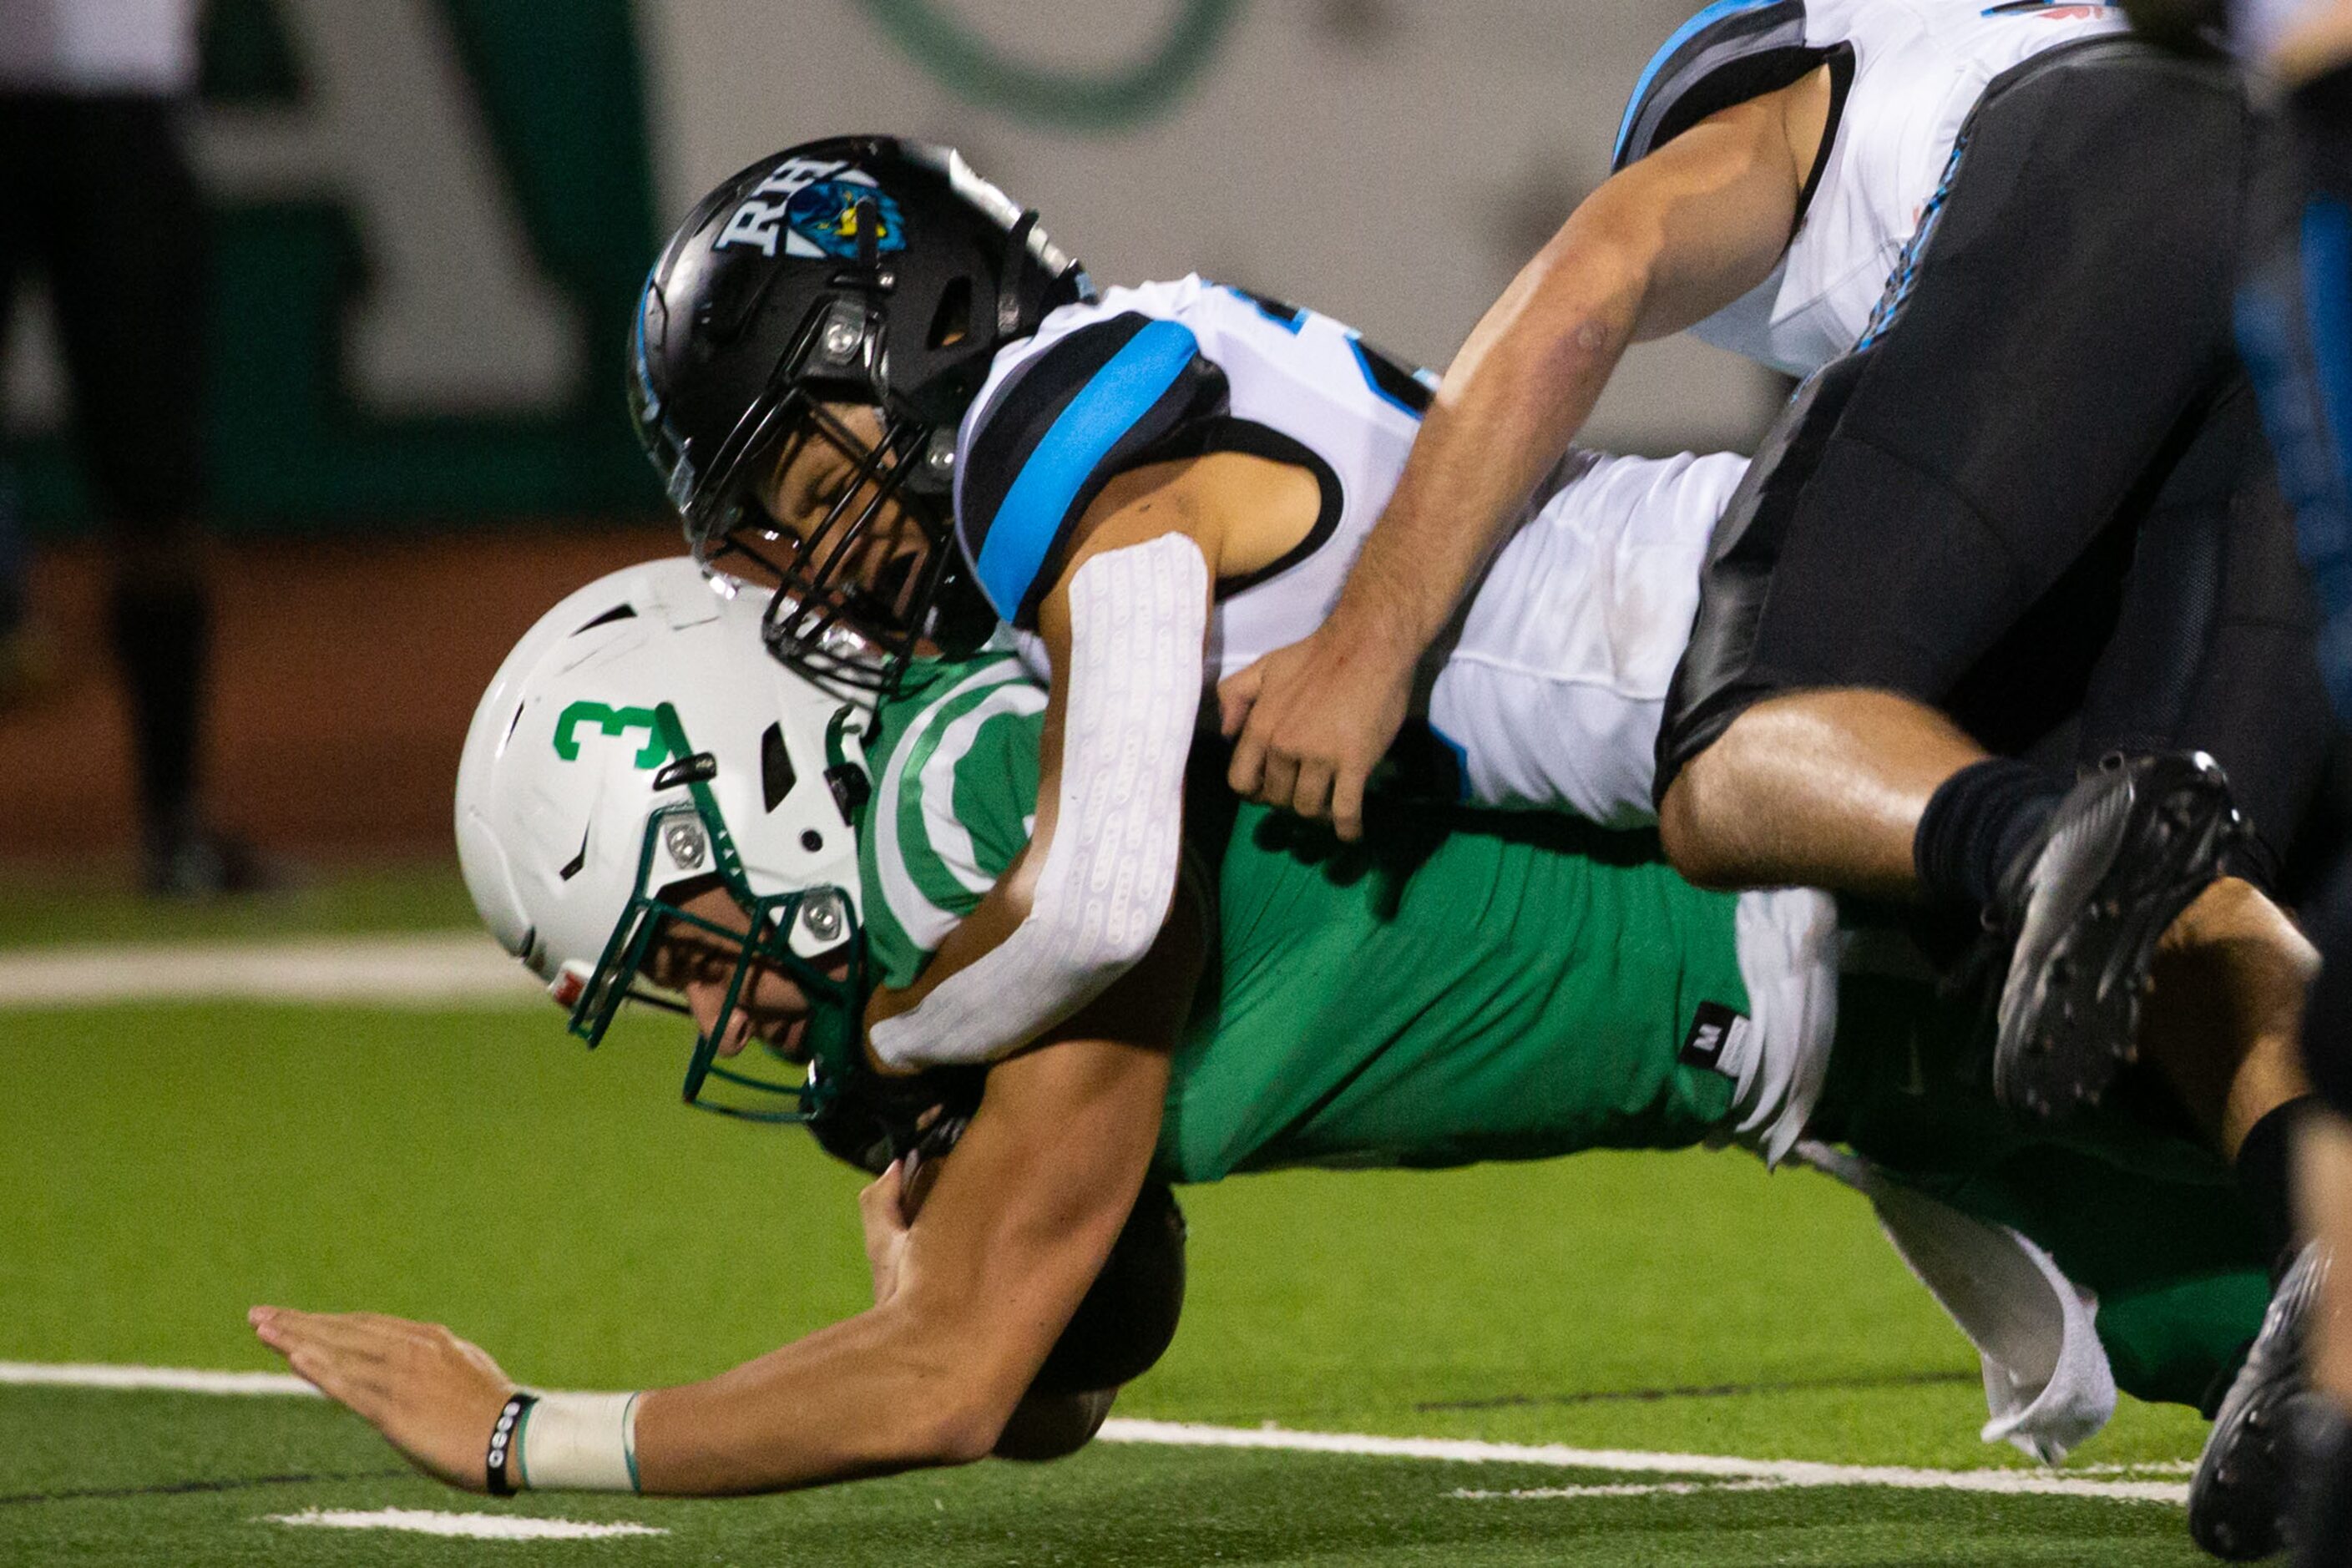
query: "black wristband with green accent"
504, 1439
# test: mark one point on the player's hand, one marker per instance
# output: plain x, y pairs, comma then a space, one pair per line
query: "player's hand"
882, 1211
1313, 719
885, 1001
432, 1395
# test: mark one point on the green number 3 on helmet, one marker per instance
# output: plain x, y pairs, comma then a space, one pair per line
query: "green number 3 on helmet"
638, 753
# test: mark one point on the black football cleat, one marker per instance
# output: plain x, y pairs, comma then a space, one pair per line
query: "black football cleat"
2323, 1528
2243, 1490
2126, 851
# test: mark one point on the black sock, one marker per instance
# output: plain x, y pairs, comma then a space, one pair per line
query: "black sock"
2265, 1171
161, 630
1976, 822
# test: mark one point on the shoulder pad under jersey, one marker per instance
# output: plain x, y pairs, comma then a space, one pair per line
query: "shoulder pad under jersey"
1729, 53
1088, 406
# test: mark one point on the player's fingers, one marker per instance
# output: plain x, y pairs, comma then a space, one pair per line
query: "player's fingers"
878, 1199
327, 1374
1311, 797
1247, 770
1279, 783
335, 1332
1348, 803
1236, 698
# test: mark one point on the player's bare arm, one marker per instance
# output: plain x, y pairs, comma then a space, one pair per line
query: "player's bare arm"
980, 1284
1660, 245
1115, 632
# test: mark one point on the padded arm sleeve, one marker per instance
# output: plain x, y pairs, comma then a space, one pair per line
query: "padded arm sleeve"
1138, 620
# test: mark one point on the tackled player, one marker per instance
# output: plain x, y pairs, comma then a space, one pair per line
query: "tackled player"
642, 788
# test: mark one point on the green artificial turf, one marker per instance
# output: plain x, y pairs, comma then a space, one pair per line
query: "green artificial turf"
68, 1499
43, 911
168, 1167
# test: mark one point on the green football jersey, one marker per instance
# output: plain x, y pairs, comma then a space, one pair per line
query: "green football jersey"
1457, 989
954, 764
1474, 987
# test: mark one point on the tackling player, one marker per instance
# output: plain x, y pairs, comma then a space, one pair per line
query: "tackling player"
2021, 502
867, 370
908, 434
857, 352
864, 369
642, 788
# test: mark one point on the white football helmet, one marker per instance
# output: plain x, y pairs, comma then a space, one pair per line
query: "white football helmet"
638, 747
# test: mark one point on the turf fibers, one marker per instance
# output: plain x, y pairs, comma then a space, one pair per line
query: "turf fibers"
169, 1166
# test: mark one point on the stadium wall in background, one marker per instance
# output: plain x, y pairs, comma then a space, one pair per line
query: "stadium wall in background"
433, 216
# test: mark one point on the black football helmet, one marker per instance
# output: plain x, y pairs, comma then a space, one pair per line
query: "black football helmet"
863, 272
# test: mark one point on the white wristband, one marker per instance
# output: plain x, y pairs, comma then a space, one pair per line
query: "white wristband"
579, 1443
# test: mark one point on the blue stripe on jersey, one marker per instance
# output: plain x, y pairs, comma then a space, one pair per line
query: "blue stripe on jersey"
1682, 35
1373, 380
1031, 516
1288, 324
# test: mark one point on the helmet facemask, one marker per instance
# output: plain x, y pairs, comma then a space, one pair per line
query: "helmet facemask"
811, 936
876, 575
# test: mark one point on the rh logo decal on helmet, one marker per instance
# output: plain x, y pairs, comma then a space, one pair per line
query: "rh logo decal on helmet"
826, 215
846, 294
810, 205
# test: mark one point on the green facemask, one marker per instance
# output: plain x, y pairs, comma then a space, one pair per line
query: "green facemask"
803, 1085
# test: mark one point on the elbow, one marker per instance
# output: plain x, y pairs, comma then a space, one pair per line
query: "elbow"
1587, 294
962, 1428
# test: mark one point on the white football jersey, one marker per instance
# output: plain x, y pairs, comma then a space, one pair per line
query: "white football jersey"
1549, 697
1907, 73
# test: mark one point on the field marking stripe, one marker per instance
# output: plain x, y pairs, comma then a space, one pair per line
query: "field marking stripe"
167, 1379
473, 1526
1618, 1488
1788, 1472
1193, 1435
419, 970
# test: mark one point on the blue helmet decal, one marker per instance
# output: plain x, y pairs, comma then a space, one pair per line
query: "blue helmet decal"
649, 403
826, 215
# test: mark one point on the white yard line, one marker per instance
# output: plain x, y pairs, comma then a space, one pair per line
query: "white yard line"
477, 1526
426, 970
1620, 1488
1710, 1468
1786, 1472
169, 1379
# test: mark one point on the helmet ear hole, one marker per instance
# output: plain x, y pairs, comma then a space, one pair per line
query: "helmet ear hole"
952, 319
777, 774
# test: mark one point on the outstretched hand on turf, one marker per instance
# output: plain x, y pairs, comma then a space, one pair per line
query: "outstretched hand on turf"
432, 1395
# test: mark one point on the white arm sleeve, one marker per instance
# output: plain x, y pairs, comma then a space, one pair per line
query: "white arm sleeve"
1139, 619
